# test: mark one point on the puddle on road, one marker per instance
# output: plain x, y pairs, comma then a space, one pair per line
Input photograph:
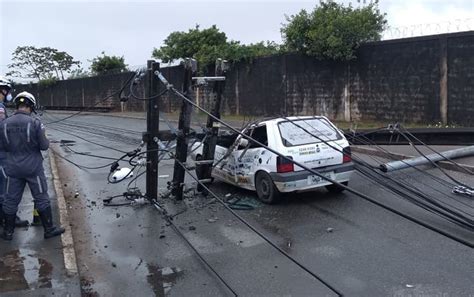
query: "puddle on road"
162, 279
22, 270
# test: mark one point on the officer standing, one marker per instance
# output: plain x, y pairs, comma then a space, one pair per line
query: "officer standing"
5, 94
23, 137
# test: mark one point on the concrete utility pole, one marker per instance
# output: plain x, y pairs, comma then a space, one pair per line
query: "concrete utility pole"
150, 137
190, 67
452, 154
209, 143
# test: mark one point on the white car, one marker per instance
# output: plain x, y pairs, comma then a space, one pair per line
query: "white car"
247, 165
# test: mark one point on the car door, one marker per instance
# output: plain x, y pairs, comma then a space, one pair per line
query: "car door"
247, 159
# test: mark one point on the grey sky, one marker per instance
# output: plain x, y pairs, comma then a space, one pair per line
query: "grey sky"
86, 28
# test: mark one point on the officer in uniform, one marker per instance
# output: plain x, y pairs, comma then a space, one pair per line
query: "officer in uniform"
23, 137
5, 95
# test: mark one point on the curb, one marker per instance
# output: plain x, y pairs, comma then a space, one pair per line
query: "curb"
70, 261
395, 156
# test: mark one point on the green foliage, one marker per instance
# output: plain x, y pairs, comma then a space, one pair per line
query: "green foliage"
41, 63
79, 73
237, 52
108, 64
207, 45
333, 30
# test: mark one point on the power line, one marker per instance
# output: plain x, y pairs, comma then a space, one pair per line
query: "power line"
315, 172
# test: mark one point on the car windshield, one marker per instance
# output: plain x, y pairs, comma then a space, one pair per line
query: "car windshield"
306, 131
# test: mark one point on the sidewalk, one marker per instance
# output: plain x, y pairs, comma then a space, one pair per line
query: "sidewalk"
31, 265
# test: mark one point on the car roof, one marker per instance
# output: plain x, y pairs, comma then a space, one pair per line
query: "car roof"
291, 118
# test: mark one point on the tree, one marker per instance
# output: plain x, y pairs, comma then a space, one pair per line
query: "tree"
79, 73
237, 52
41, 63
204, 45
105, 64
207, 45
333, 30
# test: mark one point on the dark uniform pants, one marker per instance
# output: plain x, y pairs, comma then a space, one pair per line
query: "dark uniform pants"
14, 192
3, 180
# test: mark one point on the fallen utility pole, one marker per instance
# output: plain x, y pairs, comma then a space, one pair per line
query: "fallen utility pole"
150, 137
190, 67
452, 154
204, 168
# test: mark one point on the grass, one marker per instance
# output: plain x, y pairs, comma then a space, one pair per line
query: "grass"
240, 119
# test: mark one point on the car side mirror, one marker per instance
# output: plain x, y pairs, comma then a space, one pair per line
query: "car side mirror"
243, 142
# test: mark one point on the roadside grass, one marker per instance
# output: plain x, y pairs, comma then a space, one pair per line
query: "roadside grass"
240, 120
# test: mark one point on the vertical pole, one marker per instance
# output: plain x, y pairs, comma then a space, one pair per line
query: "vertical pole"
184, 124
82, 93
443, 82
347, 95
209, 144
151, 136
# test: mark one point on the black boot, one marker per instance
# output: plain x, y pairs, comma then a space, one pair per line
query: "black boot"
18, 221
9, 227
21, 223
49, 229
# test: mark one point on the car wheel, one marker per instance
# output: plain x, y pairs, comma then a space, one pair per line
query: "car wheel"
267, 192
335, 188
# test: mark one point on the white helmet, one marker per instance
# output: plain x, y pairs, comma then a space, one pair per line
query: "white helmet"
5, 83
25, 97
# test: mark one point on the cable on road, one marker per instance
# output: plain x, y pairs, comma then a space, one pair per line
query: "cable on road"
170, 221
439, 209
118, 92
315, 172
260, 234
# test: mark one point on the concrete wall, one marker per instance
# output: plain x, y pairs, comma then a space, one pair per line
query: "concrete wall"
426, 80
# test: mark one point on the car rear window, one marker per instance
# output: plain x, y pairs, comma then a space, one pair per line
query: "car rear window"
298, 132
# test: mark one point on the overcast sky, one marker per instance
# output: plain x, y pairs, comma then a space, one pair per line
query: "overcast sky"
133, 28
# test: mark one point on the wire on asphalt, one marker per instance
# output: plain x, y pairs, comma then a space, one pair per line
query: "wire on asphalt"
460, 219
250, 226
118, 92
315, 172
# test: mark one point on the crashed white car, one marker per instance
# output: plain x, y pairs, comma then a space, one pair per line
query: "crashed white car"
245, 164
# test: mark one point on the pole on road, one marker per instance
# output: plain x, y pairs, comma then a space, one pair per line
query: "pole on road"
452, 154
212, 126
150, 137
190, 68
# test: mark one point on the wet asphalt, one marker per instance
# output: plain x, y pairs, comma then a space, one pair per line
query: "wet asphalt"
355, 246
31, 265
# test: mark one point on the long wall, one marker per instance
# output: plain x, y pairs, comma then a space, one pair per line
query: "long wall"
426, 80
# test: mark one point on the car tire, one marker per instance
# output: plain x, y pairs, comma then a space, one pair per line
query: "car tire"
336, 189
267, 192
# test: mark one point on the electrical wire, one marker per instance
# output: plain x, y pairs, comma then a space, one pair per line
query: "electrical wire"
85, 139
260, 234
315, 172
81, 166
119, 92
466, 170
432, 162
203, 260
447, 213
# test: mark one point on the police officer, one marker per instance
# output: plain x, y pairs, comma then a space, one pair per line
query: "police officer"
5, 94
23, 137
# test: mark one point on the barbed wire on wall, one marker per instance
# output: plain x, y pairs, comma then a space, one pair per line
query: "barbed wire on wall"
458, 25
